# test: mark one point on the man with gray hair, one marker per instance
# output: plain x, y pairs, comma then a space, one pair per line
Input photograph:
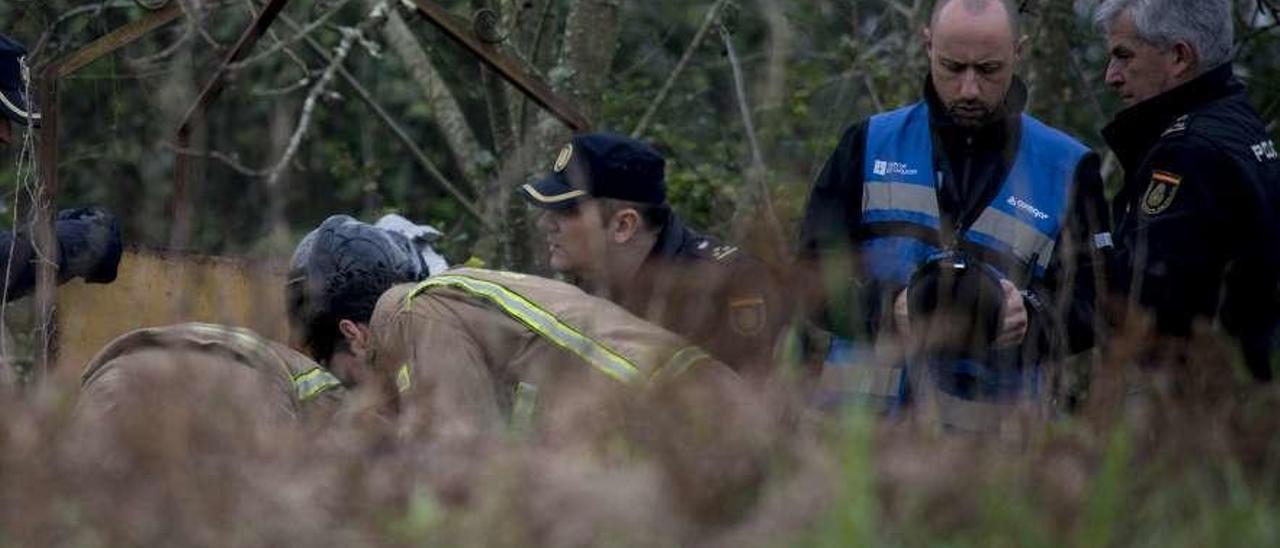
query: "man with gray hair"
1199, 214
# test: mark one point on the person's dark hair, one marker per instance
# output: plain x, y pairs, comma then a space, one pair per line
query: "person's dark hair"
655, 216
315, 322
1011, 7
338, 273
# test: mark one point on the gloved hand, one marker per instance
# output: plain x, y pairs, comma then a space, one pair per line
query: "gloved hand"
90, 244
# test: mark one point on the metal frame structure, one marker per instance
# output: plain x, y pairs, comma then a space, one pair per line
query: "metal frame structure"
47, 82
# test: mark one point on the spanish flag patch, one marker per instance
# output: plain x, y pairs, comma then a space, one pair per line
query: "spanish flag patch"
1160, 193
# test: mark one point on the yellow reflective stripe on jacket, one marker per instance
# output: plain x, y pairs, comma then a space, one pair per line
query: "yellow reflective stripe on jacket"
540, 321
314, 382
680, 362
307, 385
523, 406
404, 380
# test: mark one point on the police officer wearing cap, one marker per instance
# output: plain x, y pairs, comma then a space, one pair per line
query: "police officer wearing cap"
609, 228
1199, 215
13, 85
961, 173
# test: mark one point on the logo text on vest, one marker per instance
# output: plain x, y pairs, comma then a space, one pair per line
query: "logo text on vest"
1020, 204
882, 167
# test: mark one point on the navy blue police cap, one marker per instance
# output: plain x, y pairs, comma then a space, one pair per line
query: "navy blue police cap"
13, 83
601, 165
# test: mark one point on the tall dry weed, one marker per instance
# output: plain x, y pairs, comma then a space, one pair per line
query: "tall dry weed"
1172, 459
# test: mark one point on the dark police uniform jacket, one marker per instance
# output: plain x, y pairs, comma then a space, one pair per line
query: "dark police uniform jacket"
1198, 228
713, 294
972, 165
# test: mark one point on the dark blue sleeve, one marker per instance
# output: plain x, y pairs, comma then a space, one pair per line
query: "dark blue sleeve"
89, 247
16, 266
834, 208
1084, 250
828, 238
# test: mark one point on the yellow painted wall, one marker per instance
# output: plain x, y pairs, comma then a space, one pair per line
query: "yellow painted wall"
158, 288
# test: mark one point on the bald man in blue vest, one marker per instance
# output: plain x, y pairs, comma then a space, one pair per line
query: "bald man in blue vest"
963, 176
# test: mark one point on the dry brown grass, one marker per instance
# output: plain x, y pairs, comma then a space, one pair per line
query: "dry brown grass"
1192, 458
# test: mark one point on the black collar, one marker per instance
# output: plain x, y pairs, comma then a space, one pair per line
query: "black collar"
1136, 129
670, 239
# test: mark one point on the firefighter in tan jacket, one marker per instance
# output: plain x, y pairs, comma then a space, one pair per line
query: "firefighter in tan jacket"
200, 366
477, 350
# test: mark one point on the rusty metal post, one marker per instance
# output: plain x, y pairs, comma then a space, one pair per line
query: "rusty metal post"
510, 69
179, 206
44, 207
44, 238
120, 37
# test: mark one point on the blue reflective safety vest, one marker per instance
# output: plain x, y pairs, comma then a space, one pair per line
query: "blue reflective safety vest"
1020, 227
900, 187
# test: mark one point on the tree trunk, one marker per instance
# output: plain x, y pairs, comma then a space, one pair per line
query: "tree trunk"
588, 46
280, 128
472, 158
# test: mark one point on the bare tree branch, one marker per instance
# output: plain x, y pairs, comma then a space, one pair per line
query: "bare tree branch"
445, 109
296, 37
756, 173
665, 90
285, 90
404, 137
190, 8
739, 85
229, 160
349, 37
72, 13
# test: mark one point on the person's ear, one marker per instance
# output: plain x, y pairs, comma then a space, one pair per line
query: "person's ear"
1019, 47
927, 36
1185, 60
624, 225
356, 335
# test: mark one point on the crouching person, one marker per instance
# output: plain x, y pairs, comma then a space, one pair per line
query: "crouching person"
198, 369
478, 349
472, 354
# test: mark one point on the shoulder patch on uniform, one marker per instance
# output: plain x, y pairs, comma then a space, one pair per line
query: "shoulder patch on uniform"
1179, 126
711, 249
1160, 193
747, 315
721, 252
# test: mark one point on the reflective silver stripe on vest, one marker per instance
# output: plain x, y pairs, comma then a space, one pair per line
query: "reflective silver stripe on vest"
540, 321
901, 197
1025, 241
874, 380
314, 382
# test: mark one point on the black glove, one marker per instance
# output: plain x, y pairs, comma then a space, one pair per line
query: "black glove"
89, 239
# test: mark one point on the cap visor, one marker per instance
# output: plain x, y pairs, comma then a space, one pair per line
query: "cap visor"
553, 192
15, 108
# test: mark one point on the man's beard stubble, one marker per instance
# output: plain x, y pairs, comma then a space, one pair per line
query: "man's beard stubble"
972, 114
